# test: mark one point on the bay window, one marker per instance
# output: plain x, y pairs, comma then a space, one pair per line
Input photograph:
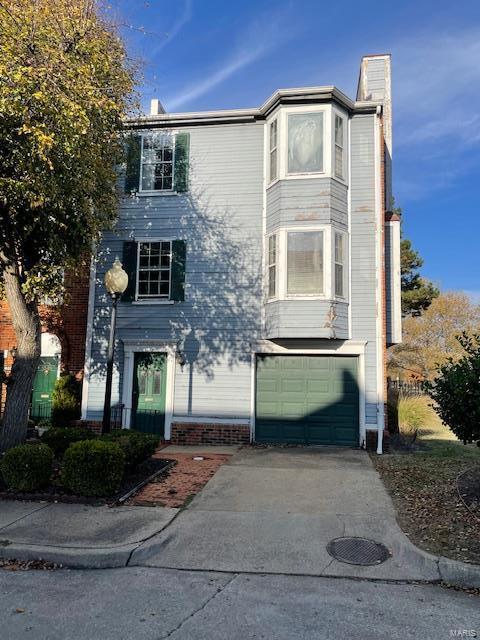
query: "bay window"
273, 151
305, 142
339, 137
272, 266
305, 263
339, 261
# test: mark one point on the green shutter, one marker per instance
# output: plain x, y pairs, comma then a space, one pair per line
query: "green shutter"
182, 152
132, 173
179, 256
130, 266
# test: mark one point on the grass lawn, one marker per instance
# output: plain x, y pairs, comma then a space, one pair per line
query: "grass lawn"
422, 484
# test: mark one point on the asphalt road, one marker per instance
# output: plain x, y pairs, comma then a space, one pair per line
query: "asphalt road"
139, 603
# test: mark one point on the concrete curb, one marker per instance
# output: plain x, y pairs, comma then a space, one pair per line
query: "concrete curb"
71, 557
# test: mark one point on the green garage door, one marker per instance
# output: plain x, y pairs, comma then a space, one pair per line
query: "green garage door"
307, 400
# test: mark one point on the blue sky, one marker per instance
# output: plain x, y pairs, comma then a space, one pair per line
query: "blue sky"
212, 54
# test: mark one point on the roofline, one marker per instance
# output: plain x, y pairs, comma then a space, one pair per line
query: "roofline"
303, 95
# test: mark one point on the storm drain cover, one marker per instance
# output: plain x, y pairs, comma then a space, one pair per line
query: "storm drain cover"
358, 551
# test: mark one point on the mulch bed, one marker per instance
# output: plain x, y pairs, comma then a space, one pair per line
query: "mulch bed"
56, 493
28, 565
182, 482
429, 507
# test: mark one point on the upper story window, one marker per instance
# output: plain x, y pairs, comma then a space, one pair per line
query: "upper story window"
154, 267
156, 167
272, 266
305, 263
339, 260
273, 157
339, 142
305, 142
157, 162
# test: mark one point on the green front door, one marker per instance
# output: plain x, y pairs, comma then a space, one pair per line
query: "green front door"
43, 385
307, 400
149, 392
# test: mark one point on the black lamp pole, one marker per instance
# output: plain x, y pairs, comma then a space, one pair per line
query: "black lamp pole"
107, 409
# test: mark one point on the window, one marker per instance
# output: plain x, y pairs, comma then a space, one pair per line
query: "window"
305, 142
156, 170
305, 262
273, 151
154, 267
272, 266
339, 265
338, 147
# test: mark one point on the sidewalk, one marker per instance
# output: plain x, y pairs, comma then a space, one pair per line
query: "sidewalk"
75, 535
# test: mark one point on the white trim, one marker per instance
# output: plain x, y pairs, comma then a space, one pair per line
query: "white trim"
253, 372
130, 347
89, 337
379, 261
395, 281
349, 223
207, 420
346, 348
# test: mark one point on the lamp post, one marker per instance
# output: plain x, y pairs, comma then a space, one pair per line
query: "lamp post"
116, 281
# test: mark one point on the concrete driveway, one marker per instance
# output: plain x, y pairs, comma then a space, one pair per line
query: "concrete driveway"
275, 509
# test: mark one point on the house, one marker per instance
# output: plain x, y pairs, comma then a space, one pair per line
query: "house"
62, 342
264, 271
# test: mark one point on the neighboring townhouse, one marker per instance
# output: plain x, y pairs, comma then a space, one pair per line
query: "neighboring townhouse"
264, 271
63, 342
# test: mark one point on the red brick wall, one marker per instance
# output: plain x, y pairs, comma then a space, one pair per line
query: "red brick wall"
195, 434
68, 322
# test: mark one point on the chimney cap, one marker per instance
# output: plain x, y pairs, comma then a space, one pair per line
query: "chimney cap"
156, 107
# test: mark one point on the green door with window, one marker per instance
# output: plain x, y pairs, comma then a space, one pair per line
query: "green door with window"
307, 400
149, 392
43, 386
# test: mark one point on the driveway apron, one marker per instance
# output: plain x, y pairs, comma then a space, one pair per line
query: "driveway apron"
274, 510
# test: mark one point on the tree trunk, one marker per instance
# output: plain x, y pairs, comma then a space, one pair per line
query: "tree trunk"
26, 323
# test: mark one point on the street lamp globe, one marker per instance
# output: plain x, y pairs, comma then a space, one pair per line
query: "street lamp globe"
116, 279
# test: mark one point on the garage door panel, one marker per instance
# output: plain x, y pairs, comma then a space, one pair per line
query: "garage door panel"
307, 399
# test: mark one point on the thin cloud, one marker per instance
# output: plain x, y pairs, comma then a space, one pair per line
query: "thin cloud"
170, 35
250, 51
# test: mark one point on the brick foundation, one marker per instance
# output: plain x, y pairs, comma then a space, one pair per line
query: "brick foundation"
204, 433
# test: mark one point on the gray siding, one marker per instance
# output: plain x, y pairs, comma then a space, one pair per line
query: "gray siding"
363, 272
221, 220
305, 319
306, 201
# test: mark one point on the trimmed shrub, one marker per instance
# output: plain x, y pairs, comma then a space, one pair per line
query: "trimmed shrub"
136, 446
27, 467
66, 400
456, 391
93, 468
60, 439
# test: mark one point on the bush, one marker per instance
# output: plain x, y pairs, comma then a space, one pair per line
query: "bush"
136, 446
60, 439
456, 391
66, 400
414, 413
27, 467
93, 468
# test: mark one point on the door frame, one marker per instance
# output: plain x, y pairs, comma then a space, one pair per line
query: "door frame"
130, 347
346, 348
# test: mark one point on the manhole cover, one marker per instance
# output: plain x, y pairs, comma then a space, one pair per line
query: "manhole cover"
357, 551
